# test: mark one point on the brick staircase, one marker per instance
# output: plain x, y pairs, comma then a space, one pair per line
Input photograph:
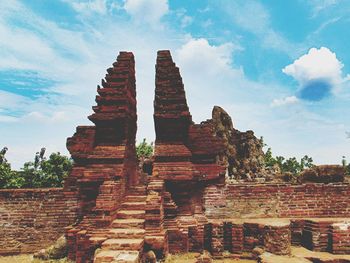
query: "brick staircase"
126, 235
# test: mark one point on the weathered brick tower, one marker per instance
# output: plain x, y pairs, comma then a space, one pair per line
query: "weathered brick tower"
104, 157
186, 160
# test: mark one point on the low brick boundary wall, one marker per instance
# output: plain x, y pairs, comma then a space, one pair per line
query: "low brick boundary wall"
277, 200
32, 219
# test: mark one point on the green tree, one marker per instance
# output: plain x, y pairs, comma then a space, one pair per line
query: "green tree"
144, 150
346, 165
9, 178
47, 173
291, 165
270, 161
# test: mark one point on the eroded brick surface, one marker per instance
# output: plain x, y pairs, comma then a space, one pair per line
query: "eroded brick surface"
32, 219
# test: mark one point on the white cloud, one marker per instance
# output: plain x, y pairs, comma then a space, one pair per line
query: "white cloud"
320, 5
90, 6
8, 99
316, 64
211, 78
248, 10
284, 101
255, 18
150, 11
6, 118
186, 21
199, 55
54, 117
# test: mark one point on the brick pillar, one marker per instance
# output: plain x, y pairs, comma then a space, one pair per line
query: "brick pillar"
237, 238
277, 239
316, 235
217, 238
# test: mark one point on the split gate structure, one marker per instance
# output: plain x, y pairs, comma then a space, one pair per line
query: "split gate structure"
116, 214
173, 210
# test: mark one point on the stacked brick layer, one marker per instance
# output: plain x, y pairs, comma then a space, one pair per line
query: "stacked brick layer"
340, 234
277, 200
316, 235
32, 219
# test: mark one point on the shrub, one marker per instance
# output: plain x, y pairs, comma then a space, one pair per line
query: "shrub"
144, 150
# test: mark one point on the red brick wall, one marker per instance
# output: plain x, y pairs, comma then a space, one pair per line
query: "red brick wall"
277, 200
31, 219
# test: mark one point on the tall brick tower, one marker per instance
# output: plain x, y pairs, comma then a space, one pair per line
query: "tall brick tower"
105, 164
184, 151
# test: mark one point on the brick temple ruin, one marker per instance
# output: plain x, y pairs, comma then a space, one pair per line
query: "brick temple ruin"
116, 212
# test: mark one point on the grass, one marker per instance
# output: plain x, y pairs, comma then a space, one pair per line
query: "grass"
179, 258
29, 259
191, 258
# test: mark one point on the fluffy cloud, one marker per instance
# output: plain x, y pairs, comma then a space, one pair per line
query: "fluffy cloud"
318, 72
212, 78
201, 56
149, 11
316, 64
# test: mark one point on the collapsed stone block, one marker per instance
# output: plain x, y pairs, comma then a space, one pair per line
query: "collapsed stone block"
340, 238
277, 239
324, 174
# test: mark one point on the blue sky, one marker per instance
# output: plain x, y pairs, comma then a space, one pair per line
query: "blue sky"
280, 68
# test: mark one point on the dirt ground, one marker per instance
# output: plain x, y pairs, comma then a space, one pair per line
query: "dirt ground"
298, 256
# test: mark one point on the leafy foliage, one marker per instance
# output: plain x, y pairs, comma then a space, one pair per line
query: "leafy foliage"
291, 165
41, 173
49, 173
144, 150
346, 166
9, 178
348, 170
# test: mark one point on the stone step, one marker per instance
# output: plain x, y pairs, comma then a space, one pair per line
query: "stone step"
113, 256
123, 244
138, 188
137, 193
135, 198
134, 205
126, 233
128, 223
131, 214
